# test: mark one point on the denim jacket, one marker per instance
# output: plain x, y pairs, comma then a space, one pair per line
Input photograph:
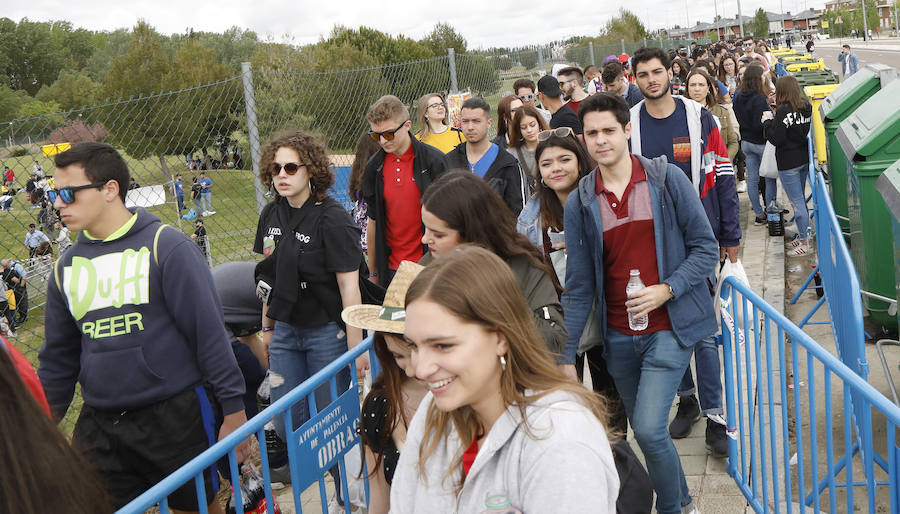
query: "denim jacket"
529, 222
686, 254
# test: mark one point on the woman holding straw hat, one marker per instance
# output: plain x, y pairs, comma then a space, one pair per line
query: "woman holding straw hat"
395, 395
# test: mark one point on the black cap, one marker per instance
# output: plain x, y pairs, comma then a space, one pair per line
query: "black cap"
549, 85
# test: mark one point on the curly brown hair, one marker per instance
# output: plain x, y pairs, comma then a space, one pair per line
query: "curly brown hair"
312, 154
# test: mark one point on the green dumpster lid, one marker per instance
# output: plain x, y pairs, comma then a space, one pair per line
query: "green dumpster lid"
888, 184
843, 99
873, 129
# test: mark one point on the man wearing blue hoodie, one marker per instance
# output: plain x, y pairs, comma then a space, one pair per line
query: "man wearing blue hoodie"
632, 213
132, 315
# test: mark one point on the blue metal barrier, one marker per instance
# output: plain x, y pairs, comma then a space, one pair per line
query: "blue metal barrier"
776, 432
313, 449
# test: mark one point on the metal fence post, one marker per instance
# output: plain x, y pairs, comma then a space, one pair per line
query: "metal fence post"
591, 49
541, 58
644, 42
623, 45
253, 133
451, 55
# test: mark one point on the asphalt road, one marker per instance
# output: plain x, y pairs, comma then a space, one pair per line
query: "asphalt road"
887, 57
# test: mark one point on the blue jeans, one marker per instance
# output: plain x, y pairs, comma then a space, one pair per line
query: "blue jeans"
709, 377
197, 205
206, 200
794, 183
647, 369
297, 353
754, 153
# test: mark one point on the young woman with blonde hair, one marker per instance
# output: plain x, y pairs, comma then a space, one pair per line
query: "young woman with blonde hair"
434, 124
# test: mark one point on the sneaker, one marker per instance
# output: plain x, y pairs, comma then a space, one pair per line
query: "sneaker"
716, 440
281, 477
741, 186
690, 509
688, 414
760, 220
801, 250
210, 213
794, 243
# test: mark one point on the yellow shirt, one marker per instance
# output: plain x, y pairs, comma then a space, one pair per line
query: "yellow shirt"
445, 141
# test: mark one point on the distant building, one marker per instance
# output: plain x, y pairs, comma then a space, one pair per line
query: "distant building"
801, 23
885, 11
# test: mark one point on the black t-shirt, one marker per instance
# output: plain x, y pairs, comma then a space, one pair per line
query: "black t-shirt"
566, 117
328, 243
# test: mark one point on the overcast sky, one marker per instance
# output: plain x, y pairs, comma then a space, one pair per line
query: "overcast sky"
483, 24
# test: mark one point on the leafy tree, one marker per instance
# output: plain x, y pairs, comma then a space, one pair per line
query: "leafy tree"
70, 91
627, 26
10, 102
712, 35
384, 48
759, 25
108, 46
528, 59
37, 108
503, 63
442, 37
33, 56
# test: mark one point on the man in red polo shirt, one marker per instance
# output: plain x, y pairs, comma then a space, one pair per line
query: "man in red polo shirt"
394, 181
632, 213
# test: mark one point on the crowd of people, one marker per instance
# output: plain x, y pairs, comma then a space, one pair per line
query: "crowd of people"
491, 273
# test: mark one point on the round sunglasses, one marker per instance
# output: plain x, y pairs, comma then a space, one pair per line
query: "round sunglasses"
291, 168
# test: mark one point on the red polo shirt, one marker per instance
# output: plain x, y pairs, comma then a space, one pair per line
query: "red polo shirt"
402, 208
629, 243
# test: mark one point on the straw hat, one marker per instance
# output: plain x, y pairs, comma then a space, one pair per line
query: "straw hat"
390, 317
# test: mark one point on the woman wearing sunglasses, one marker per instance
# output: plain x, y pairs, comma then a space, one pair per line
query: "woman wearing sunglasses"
434, 124
461, 208
502, 427
312, 259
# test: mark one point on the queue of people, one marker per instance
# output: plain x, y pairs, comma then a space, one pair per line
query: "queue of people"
490, 273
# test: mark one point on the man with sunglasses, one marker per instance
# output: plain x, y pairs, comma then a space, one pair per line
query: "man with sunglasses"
526, 91
570, 80
478, 154
749, 47
393, 183
552, 97
687, 134
133, 316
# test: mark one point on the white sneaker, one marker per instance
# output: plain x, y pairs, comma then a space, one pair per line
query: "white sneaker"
801, 250
210, 213
204, 213
741, 186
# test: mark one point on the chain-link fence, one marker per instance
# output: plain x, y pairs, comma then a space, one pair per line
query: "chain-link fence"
194, 153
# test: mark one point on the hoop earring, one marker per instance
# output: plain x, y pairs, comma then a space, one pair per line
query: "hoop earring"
503, 363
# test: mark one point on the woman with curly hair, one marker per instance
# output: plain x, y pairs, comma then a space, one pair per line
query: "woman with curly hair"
312, 259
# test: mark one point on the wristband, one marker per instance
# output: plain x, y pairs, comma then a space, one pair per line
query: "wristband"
267, 329
373, 275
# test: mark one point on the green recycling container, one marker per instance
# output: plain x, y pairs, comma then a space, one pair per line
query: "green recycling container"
870, 138
889, 187
840, 104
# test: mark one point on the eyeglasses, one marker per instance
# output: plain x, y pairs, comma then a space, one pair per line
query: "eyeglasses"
387, 134
436, 104
291, 168
558, 132
67, 194
526, 97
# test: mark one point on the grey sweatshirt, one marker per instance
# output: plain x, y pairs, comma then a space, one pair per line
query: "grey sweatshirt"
561, 463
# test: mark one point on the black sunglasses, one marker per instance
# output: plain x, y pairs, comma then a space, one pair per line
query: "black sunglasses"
290, 168
387, 134
67, 194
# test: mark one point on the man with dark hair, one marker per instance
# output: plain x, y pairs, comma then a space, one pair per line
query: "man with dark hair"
498, 168
525, 90
749, 47
570, 81
688, 136
849, 62
592, 74
561, 114
133, 316
393, 183
614, 81
618, 221
33, 239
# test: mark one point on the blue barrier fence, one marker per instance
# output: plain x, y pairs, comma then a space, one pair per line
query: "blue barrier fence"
314, 448
779, 390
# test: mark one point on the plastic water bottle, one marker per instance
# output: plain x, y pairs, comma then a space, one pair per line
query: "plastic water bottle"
498, 503
634, 285
775, 218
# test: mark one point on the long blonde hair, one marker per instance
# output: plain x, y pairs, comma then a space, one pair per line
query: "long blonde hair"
476, 286
422, 111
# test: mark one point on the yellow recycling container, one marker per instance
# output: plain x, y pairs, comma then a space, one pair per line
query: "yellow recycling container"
805, 66
816, 94
783, 51
794, 57
51, 150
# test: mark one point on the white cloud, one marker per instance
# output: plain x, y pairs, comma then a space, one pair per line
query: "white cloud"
483, 24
